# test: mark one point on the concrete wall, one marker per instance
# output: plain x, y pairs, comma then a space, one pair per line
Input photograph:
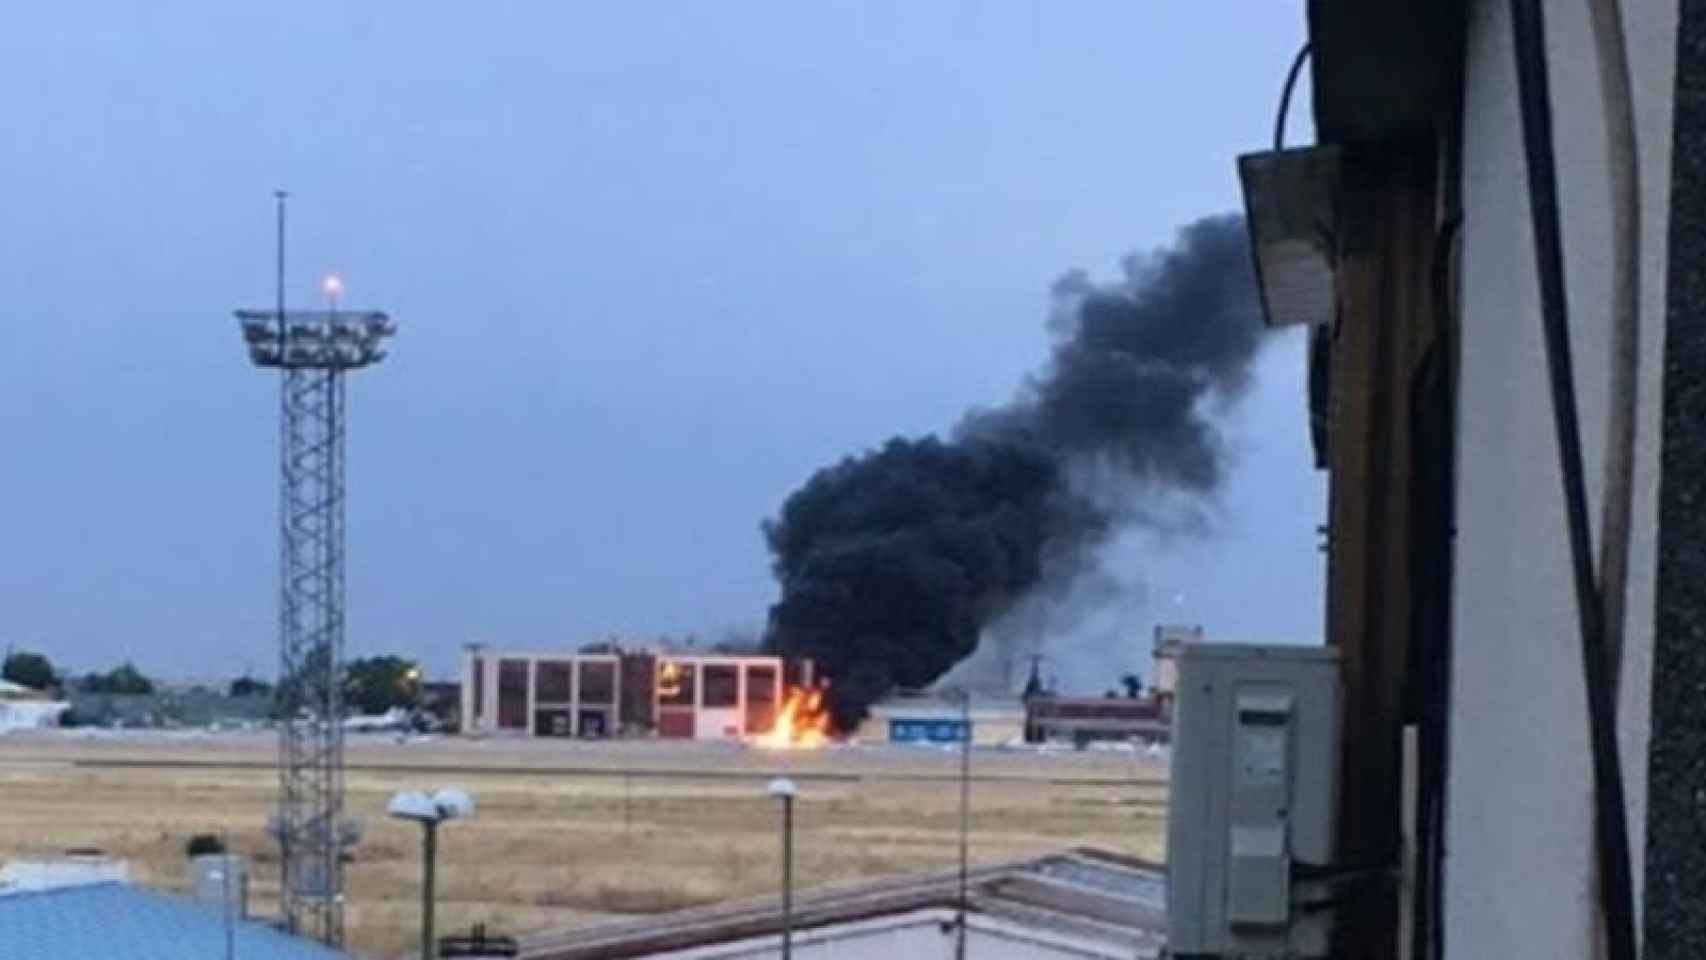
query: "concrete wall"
1519, 831
1166, 673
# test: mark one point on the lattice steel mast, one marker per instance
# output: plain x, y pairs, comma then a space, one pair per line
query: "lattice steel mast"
313, 349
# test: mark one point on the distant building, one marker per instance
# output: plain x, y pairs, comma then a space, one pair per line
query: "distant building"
442, 700
169, 707
1084, 720
74, 869
16, 692
100, 921
23, 708
669, 694
935, 718
1084, 904
1168, 640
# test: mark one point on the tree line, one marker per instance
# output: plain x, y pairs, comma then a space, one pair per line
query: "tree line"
370, 684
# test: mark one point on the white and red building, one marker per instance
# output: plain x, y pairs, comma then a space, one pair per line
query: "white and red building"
671, 694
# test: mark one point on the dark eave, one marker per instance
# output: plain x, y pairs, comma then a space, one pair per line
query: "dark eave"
1383, 69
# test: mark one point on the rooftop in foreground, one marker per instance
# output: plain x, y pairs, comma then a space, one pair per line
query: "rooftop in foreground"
1080, 903
95, 921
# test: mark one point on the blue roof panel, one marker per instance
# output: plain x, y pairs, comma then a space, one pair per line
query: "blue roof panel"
99, 921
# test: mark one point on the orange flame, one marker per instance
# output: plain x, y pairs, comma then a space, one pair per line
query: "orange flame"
801, 724
669, 679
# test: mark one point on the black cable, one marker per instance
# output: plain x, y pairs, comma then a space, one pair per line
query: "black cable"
1285, 96
1617, 901
1432, 520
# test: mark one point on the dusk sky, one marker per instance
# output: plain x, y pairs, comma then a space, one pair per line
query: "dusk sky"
652, 263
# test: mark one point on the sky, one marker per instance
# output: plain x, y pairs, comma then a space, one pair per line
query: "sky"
653, 264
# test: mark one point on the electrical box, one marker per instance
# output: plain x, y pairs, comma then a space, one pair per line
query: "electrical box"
221, 880
1255, 751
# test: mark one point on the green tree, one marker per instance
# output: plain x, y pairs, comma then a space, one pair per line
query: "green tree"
124, 678
301, 692
248, 687
30, 669
204, 844
376, 684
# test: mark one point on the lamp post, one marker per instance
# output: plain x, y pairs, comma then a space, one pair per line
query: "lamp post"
965, 818
430, 810
783, 788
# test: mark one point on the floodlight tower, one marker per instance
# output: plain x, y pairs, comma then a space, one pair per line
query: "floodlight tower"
313, 349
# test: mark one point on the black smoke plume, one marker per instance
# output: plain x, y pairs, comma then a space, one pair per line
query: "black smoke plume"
892, 563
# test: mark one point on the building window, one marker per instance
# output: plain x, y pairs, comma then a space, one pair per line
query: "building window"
675, 683
552, 722
760, 684
512, 694
760, 697
598, 682
553, 681
594, 723
722, 685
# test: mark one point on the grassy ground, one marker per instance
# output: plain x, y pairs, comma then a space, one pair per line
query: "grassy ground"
567, 832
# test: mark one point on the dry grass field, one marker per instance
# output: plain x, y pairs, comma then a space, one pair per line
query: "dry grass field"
567, 832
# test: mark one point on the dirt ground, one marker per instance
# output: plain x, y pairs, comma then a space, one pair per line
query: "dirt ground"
568, 831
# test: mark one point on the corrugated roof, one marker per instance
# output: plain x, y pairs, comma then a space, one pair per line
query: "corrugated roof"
1086, 893
99, 921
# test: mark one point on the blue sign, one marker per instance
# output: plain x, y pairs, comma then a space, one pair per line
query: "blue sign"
928, 731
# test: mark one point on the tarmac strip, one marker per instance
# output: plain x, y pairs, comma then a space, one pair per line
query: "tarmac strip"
660, 773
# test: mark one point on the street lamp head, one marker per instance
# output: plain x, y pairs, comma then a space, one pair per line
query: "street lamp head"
412, 805
453, 802
782, 787
1289, 204
446, 804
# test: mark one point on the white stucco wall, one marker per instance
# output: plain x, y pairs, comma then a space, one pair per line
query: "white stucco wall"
1519, 830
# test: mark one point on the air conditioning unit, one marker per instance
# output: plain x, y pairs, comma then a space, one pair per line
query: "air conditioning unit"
1250, 828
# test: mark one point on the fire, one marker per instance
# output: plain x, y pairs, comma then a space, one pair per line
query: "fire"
669, 679
801, 724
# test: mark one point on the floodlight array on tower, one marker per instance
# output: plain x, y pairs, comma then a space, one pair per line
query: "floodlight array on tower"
317, 339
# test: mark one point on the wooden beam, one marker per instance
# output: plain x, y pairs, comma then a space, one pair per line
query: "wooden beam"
1384, 236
